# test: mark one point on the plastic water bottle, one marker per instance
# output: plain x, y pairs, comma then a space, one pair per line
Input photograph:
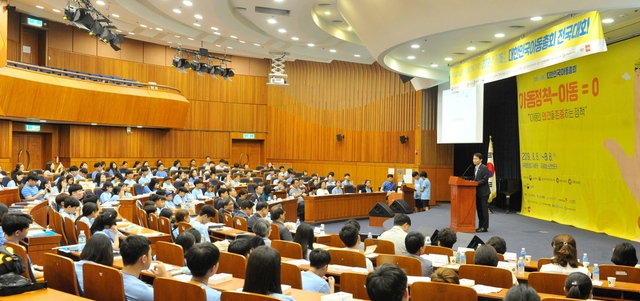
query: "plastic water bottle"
321, 228
269, 215
82, 238
523, 253
463, 258
427, 241
521, 265
369, 235
297, 223
596, 272
585, 260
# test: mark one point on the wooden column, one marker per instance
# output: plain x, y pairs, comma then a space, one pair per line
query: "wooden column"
4, 21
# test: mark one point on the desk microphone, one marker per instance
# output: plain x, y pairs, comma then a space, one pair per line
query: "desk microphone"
462, 176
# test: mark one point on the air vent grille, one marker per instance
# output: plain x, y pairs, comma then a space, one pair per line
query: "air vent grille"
273, 11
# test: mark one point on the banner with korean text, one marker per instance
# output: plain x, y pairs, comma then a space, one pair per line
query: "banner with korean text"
576, 37
580, 141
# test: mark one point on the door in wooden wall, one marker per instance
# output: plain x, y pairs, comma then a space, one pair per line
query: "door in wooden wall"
29, 149
247, 151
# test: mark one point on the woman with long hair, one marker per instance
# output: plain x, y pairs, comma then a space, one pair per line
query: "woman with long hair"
263, 273
565, 257
305, 237
578, 286
97, 250
105, 224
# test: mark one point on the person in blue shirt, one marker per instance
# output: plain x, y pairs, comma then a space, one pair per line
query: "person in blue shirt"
202, 261
144, 176
113, 169
211, 193
161, 173
152, 186
107, 193
263, 273
17, 179
136, 257
168, 186
179, 198
31, 191
16, 228
98, 250
337, 189
417, 183
89, 213
98, 169
425, 189
389, 186
182, 215
197, 191
100, 179
314, 280
129, 178
105, 224
347, 180
71, 208
159, 200
205, 216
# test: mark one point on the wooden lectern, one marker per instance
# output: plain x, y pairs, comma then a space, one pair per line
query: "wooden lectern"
463, 204
408, 196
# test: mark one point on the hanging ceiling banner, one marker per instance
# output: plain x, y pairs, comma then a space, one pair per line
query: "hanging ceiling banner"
577, 37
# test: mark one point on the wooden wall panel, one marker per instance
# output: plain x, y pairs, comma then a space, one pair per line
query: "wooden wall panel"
63, 38
30, 40
154, 54
12, 50
105, 50
6, 130
83, 42
13, 25
132, 50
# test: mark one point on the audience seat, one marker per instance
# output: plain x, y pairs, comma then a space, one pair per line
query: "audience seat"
383, 246
82, 226
290, 274
164, 226
622, 273
60, 273
543, 261
487, 275
242, 296
228, 220
153, 221
233, 264
438, 250
96, 276
240, 223
354, 283
22, 252
288, 248
170, 253
348, 258
167, 289
410, 265
437, 291
549, 283
349, 189
183, 226
70, 230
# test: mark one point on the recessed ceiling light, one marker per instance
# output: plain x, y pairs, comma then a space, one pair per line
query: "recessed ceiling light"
143, 26
190, 39
411, 57
132, 34
233, 37
196, 24
607, 20
356, 55
471, 48
93, 123
256, 44
537, 18
199, 17
218, 45
158, 29
332, 50
214, 28
272, 21
349, 28
279, 0
295, 38
448, 59
242, 41
282, 30
311, 45
170, 42
434, 65
217, 33
415, 46
115, 15
229, 47
499, 35
99, 2
177, 11
56, 10
187, 3
40, 7
327, 13
176, 36
118, 30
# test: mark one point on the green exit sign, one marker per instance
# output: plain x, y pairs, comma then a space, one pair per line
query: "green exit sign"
33, 127
34, 22
248, 136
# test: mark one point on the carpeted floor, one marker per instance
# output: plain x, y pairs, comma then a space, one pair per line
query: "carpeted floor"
519, 231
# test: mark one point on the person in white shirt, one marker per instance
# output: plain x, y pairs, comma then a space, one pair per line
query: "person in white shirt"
565, 257
397, 234
351, 239
323, 189
314, 280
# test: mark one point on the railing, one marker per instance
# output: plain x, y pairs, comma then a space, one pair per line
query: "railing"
85, 76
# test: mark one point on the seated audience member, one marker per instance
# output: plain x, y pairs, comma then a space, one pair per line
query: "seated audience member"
166, 212
446, 238
445, 275
89, 213
578, 286
240, 246
167, 185
182, 215
98, 250
152, 186
76, 191
305, 237
498, 243
92, 198
277, 217
180, 197
522, 292
159, 200
263, 273
396, 235
337, 189
414, 242
136, 257
388, 185
144, 176
387, 283
30, 191
160, 173
105, 224
16, 179
246, 210
206, 215
107, 193
129, 178
354, 222
314, 280
70, 208
625, 254
16, 227
202, 261
186, 240
262, 209
347, 180
256, 241
226, 207
565, 257
211, 191
322, 190
262, 228
366, 188
196, 234
197, 191
351, 239
487, 255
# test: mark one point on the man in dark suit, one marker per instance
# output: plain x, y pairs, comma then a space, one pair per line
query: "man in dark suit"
482, 192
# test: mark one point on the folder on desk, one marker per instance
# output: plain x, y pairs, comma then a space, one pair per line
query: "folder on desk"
215, 226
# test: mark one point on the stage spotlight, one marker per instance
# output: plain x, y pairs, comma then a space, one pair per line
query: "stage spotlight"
96, 29
181, 64
69, 13
83, 19
227, 73
196, 66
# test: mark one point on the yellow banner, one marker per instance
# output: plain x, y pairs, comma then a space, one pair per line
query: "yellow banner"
577, 37
580, 141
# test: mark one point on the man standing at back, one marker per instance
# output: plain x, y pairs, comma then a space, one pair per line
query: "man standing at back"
397, 234
482, 192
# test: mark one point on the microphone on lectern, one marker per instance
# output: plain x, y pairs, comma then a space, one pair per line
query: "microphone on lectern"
462, 176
